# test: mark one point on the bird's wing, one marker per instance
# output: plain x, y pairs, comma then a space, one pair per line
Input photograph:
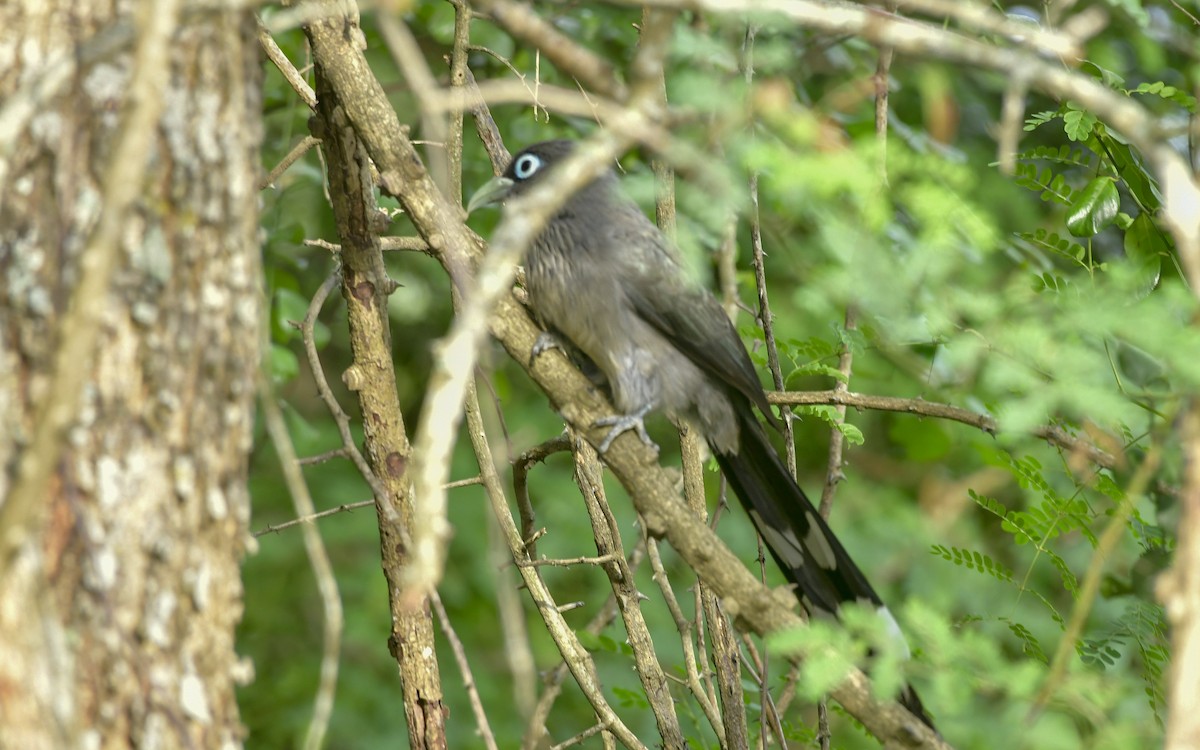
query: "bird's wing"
690, 318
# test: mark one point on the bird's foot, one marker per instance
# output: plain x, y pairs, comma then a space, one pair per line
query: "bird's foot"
545, 342
624, 423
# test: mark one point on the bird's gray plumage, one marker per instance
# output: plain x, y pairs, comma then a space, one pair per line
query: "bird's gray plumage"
605, 278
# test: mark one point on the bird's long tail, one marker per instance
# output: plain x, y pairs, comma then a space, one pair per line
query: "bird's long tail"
803, 545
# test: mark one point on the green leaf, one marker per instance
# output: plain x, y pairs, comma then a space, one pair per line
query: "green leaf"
814, 368
1145, 248
852, 434
1094, 208
1030, 644
1040, 118
1158, 88
1053, 243
1078, 123
973, 560
308, 436
630, 698
1104, 75
287, 307
1131, 171
829, 415
283, 363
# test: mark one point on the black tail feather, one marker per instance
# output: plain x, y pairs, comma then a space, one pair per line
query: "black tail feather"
803, 545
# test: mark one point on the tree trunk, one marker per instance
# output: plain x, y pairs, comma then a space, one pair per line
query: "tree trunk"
129, 347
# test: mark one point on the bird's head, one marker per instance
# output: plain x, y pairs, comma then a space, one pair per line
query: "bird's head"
525, 169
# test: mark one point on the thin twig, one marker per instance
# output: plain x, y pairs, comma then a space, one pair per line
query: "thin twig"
460, 656
837, 440
288, 160
516, 635
1050, 433
321, 458
767, 320
331, 603
386, 244
344, 508
576, 657
289, 72
459, 77
340, 418
573, 59
567, 562
310, 517
605, 530
575, 740
521, 466
689, 655
726, 657
770, 711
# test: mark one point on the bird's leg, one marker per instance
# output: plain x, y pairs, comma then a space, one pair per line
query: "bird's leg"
624, 423
545, 342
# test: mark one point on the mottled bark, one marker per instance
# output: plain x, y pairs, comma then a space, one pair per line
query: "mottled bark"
120, 586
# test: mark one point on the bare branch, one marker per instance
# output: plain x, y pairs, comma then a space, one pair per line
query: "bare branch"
289, 72
920, 407
300, 149
512, 619
833, 469
689, 655
588, 476
343, 508
310, 517
337, 50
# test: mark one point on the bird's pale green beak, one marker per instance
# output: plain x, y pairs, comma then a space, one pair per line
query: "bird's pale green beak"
493, 191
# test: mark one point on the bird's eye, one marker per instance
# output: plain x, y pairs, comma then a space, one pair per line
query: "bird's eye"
525, 166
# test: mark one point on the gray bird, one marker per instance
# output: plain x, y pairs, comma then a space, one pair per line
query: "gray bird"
604, 278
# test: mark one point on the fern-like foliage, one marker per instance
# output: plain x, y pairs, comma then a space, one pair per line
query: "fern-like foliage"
1065, 154
1170, 93
1029, 643
1051, 186
1036, 120
973, 560
1057, 245
1143, 626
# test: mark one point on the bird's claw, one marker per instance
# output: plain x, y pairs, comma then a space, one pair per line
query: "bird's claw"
545, 342
621, 423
